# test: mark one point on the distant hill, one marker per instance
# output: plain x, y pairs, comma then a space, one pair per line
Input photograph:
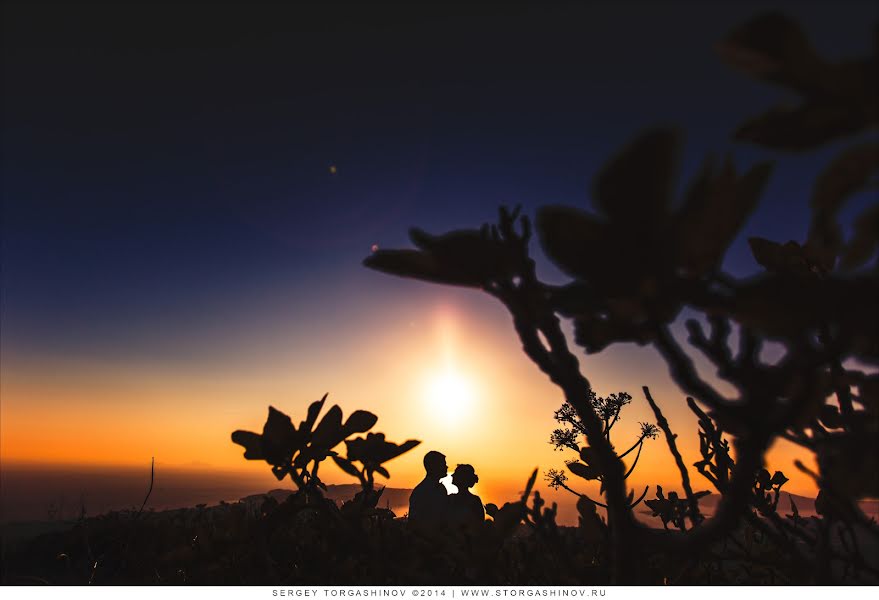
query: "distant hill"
397, 499
805, 506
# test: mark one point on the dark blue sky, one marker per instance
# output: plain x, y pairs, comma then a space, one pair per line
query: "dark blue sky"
166, 169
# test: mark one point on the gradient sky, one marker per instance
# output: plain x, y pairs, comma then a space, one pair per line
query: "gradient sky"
177, 255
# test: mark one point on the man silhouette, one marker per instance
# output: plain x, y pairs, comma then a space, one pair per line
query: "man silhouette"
429, 499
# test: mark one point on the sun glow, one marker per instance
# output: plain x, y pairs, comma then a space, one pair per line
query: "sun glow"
449, 396
448, 391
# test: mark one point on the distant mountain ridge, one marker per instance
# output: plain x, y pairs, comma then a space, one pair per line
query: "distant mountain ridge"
805, 506
397, 499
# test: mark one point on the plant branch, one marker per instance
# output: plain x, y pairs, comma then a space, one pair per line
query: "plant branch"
527, 305
679, 461
733, 504
684, 372
635, 445
637, 456
576, 493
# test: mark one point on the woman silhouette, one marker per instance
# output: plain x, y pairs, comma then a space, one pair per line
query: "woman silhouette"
465, 509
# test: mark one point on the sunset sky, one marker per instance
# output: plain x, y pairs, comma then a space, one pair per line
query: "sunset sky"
188, 194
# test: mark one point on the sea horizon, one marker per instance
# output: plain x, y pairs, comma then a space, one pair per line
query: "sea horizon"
40, 492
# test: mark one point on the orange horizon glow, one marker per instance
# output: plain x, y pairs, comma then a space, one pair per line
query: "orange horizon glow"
95, 414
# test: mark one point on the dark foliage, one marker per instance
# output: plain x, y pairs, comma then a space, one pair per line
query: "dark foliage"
816, 298
299, 452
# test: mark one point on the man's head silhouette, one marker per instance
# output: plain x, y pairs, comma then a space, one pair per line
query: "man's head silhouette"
435, 465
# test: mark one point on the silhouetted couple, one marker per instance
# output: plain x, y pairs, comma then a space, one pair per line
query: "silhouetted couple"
432, 510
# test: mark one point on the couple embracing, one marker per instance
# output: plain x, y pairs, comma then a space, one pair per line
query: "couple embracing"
432, 509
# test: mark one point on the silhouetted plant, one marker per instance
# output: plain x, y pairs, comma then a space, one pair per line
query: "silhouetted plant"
673, 509
608, 410
299, 452
371, 452
815, 299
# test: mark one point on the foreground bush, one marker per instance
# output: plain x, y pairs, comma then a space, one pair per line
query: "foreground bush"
641, 257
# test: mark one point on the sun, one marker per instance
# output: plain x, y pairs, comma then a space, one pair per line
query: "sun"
449, 395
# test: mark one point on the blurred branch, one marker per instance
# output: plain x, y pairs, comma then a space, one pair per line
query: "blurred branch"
683, 371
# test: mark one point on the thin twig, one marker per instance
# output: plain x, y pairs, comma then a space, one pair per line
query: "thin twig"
673, 448
152, 480
640, 498
576, 493
634, 464
629, 451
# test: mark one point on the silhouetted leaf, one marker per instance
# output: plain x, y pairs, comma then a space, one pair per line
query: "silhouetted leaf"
279, 436
509, 516
847, 174
347, 466
591, 527
374, 449
586, 507
822, 505
804, 127
418, 265
787, 306
584, 471
714, 210
394, 450
382, 471
864, 241
778, 479
360, 421
313, 411
471, 254
837, 99
576, 298
572, 239
329, 431
595, 334
772, 47
636, 186
252, 443
529, 486
823, 244
780, 258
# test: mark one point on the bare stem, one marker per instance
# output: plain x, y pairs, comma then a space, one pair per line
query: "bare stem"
679, 461
152, 481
